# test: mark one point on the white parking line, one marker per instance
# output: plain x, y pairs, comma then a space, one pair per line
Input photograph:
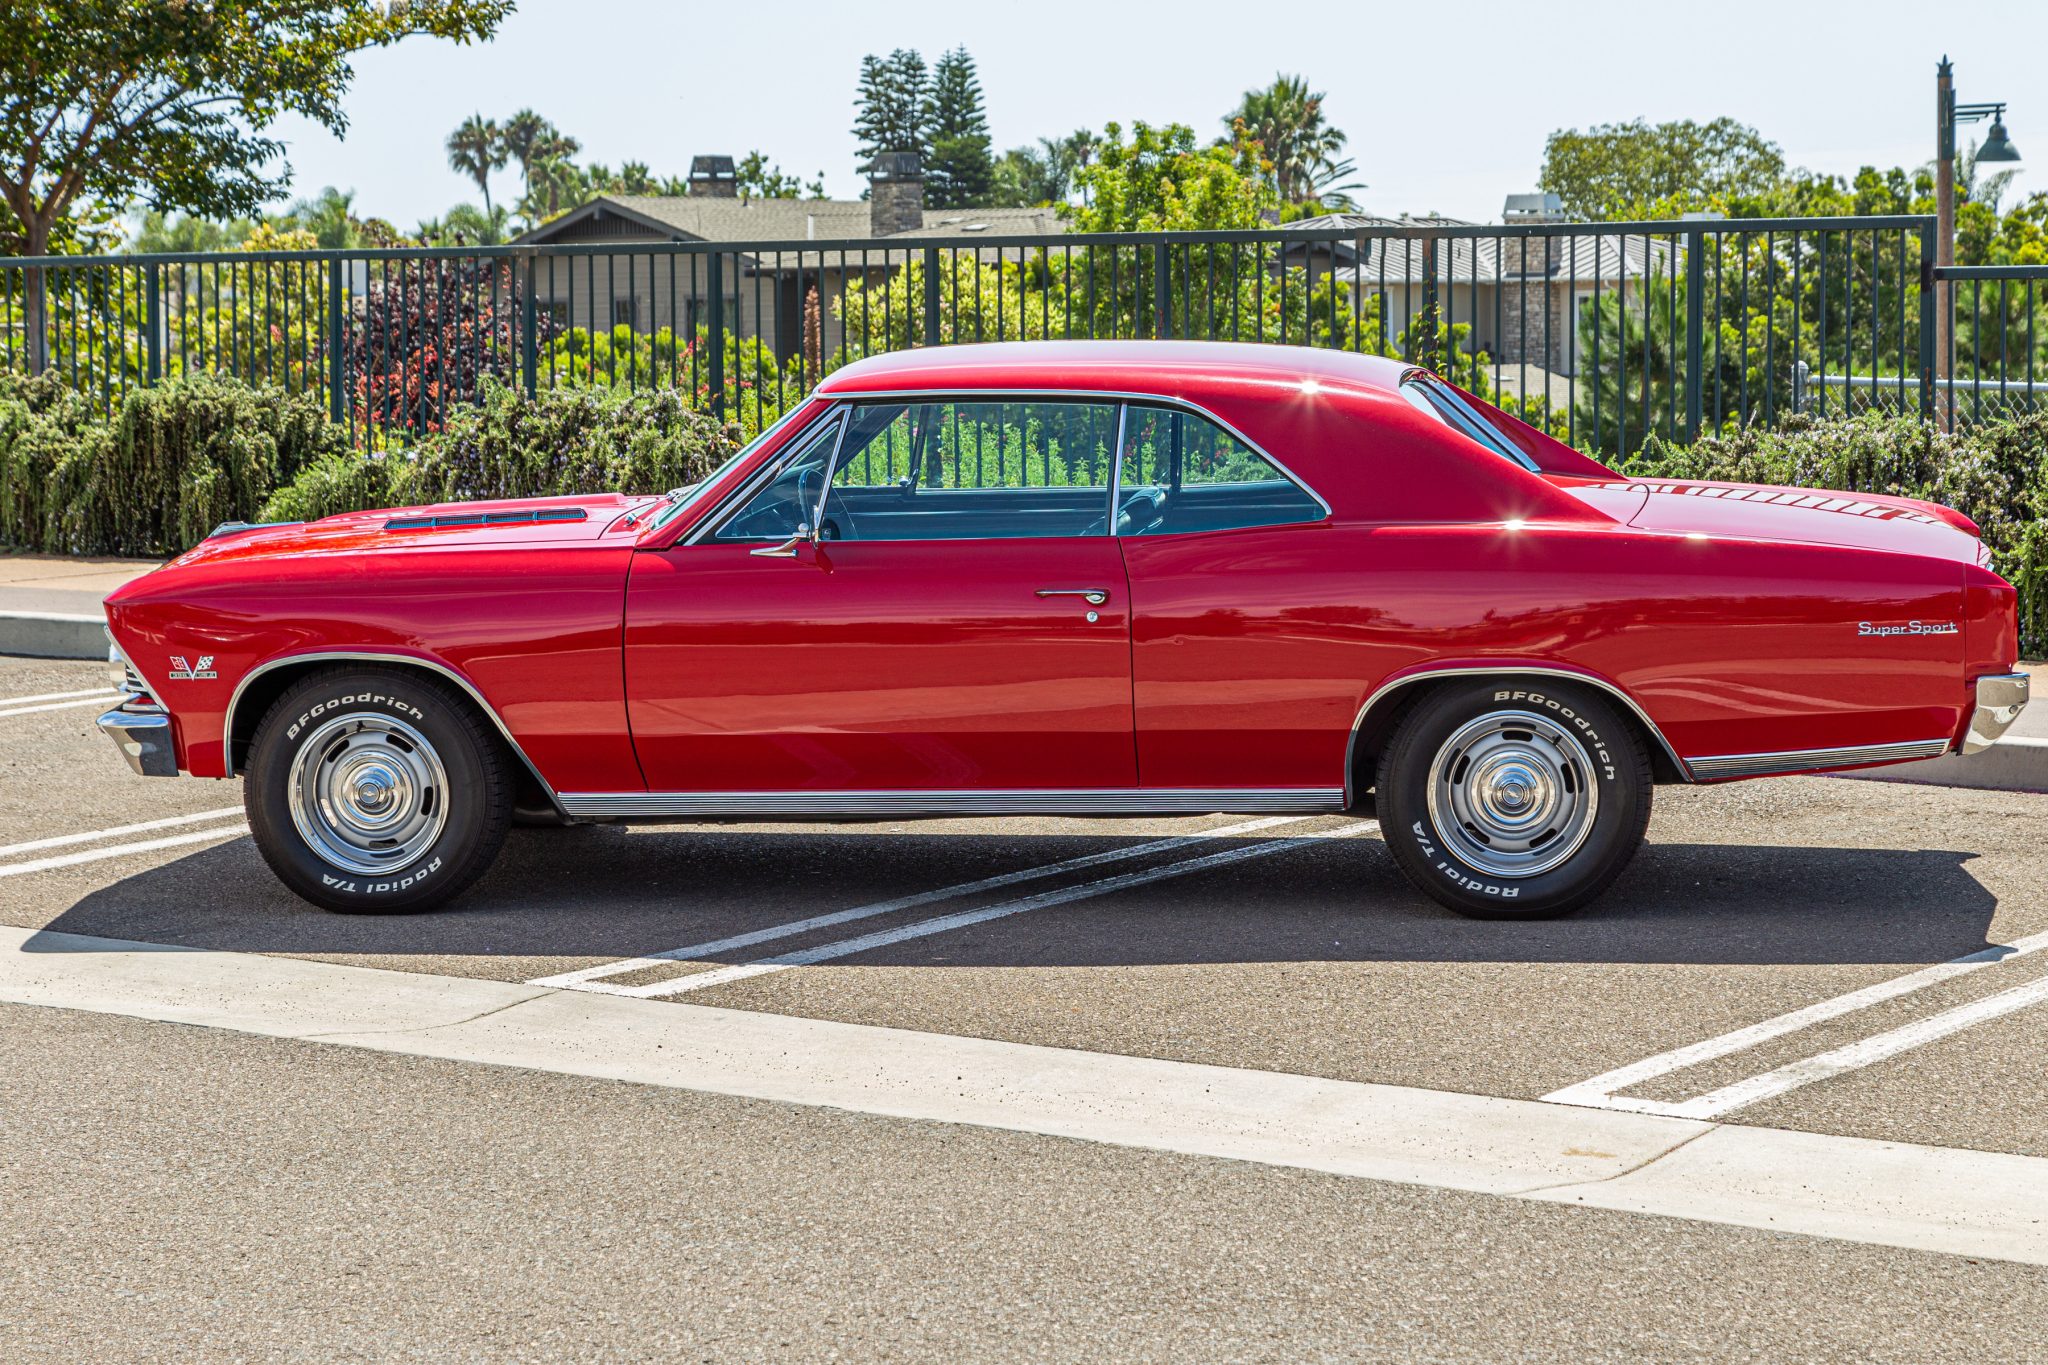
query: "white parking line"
118, 831
1602, 1091
123, 850
100, 699
734, 942
58, 696
1958, 1201
882, 938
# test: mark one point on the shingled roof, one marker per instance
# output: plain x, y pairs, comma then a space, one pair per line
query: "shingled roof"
709, 218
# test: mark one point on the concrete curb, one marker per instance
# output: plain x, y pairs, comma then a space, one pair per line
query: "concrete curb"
2016, 763
53, 635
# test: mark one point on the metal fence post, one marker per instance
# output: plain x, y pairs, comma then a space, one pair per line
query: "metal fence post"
337, 336
152, 322
714, 280
1927, 318
529, 339
1162, 297
1695, 331
931, 296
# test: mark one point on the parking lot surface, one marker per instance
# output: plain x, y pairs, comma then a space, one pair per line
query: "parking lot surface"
1819, 955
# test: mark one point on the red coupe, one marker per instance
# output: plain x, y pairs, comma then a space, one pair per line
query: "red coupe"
1098, 578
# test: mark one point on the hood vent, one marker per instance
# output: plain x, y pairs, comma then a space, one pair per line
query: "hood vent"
545, 515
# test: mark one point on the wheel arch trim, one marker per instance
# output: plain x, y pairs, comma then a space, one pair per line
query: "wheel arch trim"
330, 656
1504, 668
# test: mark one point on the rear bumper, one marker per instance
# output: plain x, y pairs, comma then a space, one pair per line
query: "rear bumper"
144, 740
2000, 699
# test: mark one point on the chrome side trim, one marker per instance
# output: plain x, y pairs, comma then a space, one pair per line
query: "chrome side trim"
1045, 801
1504, 670
1815, 760
2000, 699
227, 725
144, 739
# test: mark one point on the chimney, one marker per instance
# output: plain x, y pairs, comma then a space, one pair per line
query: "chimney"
714, 177
1535, 310
895, 194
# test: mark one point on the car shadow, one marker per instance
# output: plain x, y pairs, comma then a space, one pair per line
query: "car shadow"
613, 893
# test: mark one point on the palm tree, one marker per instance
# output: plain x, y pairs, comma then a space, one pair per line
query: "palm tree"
476, 149
1286, 120
530, 139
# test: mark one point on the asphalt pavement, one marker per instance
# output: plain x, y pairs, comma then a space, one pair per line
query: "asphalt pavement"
1850, 960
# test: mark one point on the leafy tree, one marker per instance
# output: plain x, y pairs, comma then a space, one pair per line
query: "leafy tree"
467, 225
1643, 170
891, 104
959, 173
169, 102
156, 231
1303, 151
476, 148
759, 180
530, 140
1163, 180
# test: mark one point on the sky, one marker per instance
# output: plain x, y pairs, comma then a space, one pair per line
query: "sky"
1447, 107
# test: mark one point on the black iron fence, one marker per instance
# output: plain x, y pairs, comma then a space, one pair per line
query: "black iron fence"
1607, 334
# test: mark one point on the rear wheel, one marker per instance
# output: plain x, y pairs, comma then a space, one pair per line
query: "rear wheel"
375, 789
1514, 799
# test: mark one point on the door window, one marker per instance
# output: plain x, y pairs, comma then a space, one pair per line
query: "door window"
1182, 473
972, 470
786, 501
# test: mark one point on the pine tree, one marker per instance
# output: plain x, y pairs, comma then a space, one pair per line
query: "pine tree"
959, 169
891, 104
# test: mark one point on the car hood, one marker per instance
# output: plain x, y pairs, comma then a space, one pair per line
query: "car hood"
1747, 511
553, 522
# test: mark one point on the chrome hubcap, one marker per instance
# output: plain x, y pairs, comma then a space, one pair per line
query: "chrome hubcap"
368, 793
1512, 794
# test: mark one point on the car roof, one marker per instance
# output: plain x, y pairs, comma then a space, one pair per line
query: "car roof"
1181, 369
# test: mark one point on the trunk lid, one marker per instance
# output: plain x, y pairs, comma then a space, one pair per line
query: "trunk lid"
1864, 521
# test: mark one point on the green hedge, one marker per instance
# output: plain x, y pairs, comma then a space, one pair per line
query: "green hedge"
510, 445
170, 464
1995, 474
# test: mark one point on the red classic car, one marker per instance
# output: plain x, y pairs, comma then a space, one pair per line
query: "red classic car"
1099, 578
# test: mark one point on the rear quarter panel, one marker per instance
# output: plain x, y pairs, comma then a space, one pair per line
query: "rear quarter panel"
1731, 647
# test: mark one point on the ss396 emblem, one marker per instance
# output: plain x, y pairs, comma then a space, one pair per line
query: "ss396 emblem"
181, 671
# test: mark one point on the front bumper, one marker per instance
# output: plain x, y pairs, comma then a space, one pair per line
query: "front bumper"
144, 739
2000, 699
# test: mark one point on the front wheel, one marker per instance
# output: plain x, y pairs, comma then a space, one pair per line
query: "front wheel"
375, 789
1514, 799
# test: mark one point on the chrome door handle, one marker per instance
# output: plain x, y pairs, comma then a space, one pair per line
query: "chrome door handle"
1095, 597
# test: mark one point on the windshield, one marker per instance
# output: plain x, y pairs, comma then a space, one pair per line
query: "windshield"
1431, 395
687, 496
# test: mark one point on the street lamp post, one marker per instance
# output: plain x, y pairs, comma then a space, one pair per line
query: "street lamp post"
1997, 147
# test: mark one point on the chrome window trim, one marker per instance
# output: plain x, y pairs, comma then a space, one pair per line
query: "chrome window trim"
227, 725
677, 509
995, 801
712, 524
1816, 760
1123, 396
1504, 670
1493, 440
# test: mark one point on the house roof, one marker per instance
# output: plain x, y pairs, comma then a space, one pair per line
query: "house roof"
710, 218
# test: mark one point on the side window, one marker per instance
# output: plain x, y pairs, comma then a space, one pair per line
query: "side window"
774, 513
1183, 473
973, 470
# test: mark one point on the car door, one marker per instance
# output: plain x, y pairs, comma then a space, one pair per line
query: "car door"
957, 621
1246, 620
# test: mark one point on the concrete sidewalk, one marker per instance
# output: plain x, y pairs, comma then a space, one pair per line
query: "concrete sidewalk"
50, 604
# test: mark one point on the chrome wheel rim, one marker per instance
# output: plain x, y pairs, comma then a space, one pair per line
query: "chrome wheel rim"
368, 793
1512, 794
